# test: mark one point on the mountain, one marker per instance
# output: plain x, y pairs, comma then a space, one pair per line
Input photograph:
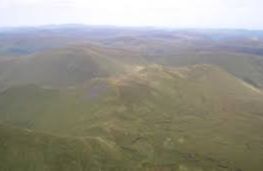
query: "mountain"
237, 51
196, 117
77, 97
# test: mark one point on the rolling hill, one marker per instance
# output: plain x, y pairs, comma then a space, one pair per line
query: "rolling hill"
196, 117
61, 67
83, 98
237, 51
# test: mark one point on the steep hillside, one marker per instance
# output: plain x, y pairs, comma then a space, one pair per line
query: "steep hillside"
189, 118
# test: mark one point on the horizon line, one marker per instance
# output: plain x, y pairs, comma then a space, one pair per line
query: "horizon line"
76, 25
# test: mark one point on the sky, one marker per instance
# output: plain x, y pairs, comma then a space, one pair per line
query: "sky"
247, 14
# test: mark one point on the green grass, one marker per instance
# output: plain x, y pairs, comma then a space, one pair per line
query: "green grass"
192, 118
25, 150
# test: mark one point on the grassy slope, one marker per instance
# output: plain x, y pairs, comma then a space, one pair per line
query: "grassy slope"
60, 67
195, 117
245, 66
25, 150
240, 56
239, 52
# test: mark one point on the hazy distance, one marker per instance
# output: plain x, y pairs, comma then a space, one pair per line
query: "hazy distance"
160, 13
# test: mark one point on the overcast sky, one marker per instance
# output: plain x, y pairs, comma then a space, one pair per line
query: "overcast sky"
165, 13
